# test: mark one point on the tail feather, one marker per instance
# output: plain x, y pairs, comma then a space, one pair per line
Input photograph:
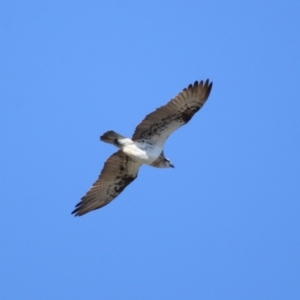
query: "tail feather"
111, 137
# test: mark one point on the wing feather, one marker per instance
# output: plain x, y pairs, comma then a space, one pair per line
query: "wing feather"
119, 171
159, 124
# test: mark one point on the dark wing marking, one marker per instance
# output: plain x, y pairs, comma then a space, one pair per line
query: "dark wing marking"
119, 171
159, 124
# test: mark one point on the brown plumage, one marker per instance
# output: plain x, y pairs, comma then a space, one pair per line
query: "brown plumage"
145, 147
119, 170
159, 124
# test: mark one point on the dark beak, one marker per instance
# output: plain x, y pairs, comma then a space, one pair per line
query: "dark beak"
172, 166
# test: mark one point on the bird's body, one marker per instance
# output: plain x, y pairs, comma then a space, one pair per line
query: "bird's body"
145, 146
143, 151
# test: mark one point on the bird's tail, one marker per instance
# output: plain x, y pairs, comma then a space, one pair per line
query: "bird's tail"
111, 137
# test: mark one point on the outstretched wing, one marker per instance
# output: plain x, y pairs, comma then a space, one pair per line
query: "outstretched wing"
119, 171
163, 121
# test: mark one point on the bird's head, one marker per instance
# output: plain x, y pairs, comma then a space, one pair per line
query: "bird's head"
167, 163
162, 162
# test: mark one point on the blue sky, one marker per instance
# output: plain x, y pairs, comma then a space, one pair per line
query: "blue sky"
224, 224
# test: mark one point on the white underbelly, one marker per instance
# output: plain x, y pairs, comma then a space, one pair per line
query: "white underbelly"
145, 156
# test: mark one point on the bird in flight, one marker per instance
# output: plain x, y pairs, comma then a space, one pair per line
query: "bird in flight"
145, 147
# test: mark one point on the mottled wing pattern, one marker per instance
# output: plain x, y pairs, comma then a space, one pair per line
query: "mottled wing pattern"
163, 121
119, 171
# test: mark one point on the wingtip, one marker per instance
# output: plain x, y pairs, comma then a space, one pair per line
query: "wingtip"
206, 83
76, 212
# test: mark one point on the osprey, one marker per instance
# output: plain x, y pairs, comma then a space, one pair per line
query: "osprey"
145, 146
